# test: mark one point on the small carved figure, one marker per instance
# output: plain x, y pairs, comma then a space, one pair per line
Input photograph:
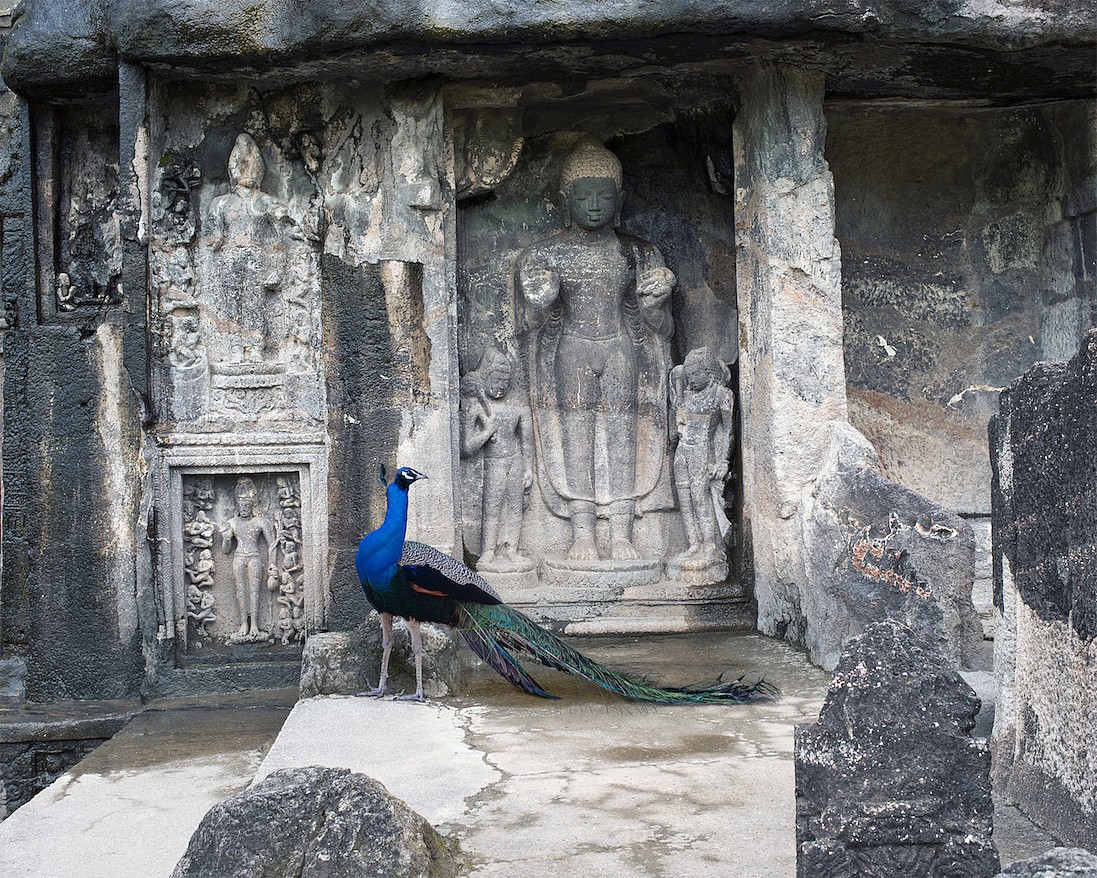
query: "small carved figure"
201, 609
704, 408
598, 305
201, 574
495, 421
241, 537
199, 532
284, 624
66, 293
186, 342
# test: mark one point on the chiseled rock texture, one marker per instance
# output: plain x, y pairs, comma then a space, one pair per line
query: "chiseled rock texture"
59, 43
348, 662
315, 823
1043, 445
889, 781
1056, 863
875, 550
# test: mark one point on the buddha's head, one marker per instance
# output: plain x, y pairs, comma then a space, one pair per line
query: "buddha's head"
246, 163
590, 186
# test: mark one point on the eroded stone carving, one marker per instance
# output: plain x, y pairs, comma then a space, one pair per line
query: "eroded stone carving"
198, 564
90, 240
597, 305
704, 407
488, 144
243, 539
496, 423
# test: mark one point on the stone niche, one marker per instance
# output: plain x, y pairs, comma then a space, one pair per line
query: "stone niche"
79, 240
242, 575
598, 359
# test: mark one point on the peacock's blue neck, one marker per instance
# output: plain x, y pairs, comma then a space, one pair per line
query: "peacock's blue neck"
379, 552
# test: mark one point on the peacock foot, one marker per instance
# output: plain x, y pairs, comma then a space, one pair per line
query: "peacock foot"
413, 697
584, 549
623, 550
376, 692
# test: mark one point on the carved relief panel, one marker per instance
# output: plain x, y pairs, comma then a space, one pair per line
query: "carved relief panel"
242, 560
243, 572
234, 266
78, 229
584, 280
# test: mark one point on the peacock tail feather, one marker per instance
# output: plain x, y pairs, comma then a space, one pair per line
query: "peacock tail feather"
496, 631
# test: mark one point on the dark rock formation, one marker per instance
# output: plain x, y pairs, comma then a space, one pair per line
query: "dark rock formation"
1056, 863
315, 823
889, 782
1045, 518
1043, 444
348, 662
59, 45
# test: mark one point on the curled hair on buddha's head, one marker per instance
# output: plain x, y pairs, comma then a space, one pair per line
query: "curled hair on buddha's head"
590, 160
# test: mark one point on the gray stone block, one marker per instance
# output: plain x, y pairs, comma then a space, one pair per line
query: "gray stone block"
889, 781
348, 662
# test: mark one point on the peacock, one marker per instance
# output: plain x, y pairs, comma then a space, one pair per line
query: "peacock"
420, 584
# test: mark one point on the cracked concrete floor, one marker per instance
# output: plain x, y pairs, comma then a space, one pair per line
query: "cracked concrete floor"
596, 786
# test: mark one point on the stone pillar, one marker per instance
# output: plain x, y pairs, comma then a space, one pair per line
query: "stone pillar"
788, 267
1043, 444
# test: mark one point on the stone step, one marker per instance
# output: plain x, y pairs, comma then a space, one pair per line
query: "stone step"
129, 808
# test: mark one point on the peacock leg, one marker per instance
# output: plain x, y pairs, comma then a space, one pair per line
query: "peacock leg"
386, 649
417, 648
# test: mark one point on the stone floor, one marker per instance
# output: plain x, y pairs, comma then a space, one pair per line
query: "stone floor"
587, 785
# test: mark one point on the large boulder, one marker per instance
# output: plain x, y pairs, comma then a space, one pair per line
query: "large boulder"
875, 550
889, 781
348, 662
316, 823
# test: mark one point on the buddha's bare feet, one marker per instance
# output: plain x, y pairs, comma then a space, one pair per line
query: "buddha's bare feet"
584, 549
624, 550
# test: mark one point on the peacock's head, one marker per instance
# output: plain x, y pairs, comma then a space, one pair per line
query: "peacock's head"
404, 476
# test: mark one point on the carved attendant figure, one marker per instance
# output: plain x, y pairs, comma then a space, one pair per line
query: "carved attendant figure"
495, 419
598, 308
240, 537
704, 407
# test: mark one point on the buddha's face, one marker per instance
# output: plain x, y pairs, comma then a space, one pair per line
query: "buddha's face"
593, 202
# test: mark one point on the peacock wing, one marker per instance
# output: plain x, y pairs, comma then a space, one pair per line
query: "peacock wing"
429, 571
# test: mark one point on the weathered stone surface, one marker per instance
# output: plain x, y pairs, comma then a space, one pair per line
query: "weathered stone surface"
875, 550
788, 277
1043, 445
948, 40
315, 823
938, 282
1056, 863
889, 781
348, 662
836, 544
